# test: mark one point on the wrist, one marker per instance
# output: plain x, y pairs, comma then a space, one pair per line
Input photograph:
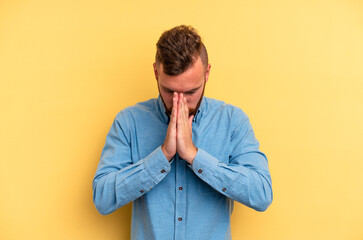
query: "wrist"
191, 155
168, 156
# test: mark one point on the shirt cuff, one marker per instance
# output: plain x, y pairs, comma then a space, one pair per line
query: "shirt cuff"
157, 165
204, 163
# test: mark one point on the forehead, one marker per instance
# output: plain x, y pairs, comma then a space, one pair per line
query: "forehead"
193, 77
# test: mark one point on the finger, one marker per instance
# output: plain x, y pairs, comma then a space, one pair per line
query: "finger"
175, 100
176, 103
174, 109
181, 107
190, 120
186, 109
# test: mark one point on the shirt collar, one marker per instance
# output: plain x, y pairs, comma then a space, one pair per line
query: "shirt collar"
201, 110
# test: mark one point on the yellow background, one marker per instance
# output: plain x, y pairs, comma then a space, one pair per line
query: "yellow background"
68, 66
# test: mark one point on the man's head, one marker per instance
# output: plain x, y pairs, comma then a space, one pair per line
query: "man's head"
181, 65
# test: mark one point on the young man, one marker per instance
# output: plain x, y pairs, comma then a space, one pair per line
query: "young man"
182, 158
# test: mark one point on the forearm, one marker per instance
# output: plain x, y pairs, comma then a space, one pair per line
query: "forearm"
114, 188
247, 184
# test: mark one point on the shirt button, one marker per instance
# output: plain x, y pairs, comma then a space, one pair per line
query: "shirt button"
180, 219
223, 189
141, 191
162, 171
200, 171
180, 188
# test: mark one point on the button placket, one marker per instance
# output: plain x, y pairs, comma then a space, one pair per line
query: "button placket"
180, 197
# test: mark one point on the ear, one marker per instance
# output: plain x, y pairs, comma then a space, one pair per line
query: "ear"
156, 72
207, 73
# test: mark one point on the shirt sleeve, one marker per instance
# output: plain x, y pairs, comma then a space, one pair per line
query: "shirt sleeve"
246, 177
118, 180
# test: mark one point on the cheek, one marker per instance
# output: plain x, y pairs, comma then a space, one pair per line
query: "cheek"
168, 99
192, 101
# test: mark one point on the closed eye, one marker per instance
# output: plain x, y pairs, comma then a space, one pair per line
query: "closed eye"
169, 91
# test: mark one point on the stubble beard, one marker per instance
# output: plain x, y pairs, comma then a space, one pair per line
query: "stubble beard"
192, 111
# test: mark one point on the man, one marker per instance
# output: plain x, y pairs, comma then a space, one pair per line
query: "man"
181, 158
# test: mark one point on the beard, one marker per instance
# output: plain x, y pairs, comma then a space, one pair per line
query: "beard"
192, 111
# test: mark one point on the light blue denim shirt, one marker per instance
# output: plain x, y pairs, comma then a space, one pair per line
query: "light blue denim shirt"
175, 200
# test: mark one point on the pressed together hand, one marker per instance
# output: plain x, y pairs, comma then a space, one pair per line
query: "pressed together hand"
179, 134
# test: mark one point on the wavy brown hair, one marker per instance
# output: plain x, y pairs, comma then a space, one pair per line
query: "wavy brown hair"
178, 48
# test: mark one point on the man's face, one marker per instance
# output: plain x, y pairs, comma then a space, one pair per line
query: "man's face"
191, 83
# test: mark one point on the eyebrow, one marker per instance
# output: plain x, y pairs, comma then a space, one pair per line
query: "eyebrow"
189, 91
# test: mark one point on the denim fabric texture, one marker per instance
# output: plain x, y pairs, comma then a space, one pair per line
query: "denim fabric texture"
176, 200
